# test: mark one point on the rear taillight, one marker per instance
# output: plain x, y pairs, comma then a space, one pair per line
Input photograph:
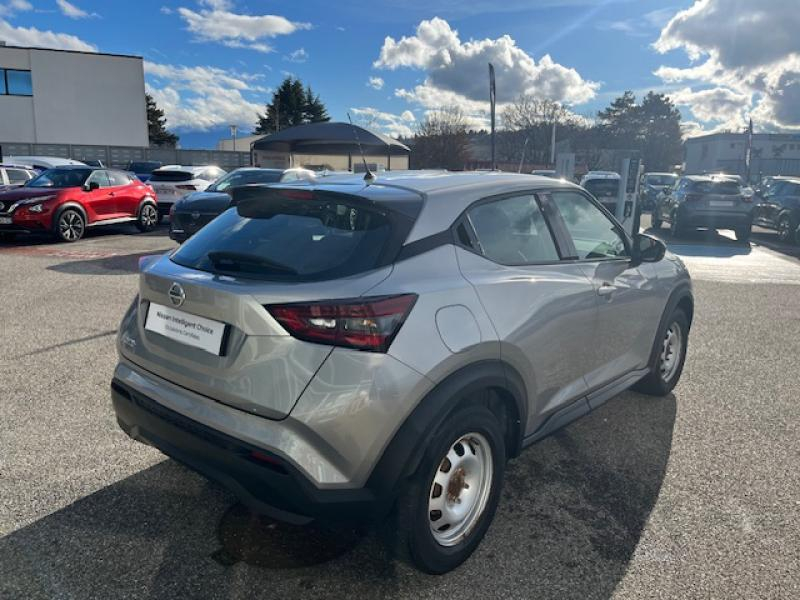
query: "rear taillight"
186, 187
363, 323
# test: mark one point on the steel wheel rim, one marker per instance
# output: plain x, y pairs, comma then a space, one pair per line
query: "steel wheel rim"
671, 349
148, 215
71, 226
460, 489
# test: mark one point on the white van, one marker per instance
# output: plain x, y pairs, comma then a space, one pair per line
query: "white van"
41, 162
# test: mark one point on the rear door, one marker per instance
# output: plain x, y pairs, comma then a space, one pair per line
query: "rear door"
543, 309
627, 300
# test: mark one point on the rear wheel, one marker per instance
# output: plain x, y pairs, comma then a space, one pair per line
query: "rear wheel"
451, 501
147, 219
70, 226
743, 233
671, 355
786, 233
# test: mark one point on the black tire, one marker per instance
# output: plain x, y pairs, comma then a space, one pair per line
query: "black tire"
655, 383
148, 217
70, 226
786, 232
7, 236
743, 233
414, 532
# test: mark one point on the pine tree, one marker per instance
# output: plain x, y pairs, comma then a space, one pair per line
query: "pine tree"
291, 105
157, 125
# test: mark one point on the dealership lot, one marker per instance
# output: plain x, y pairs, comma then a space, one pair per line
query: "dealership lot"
692, 495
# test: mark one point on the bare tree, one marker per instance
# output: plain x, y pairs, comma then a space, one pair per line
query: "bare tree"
441, 141
531, 118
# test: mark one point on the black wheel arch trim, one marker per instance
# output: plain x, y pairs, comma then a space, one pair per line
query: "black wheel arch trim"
146, 200
404, 453
67, 205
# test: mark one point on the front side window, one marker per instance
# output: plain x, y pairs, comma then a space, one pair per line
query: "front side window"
594, 235
513, 231
101, 178
17, 176
18, 83
61, 178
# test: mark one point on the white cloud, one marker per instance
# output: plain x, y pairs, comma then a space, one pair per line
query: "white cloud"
166, 10
218, 24
717, 104
750, 48
375, 83
14, 6
73, 12
386, 122
37, 38
203, 97
456, 71
298, 56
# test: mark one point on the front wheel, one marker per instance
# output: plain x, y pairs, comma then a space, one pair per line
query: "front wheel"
448, 507
70, 226
671, 356
147, 219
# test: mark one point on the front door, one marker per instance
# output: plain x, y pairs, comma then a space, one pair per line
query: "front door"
628, 303
99, 202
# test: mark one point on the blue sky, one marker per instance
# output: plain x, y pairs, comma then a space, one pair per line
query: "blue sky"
214, 62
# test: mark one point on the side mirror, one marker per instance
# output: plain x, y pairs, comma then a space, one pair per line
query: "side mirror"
646, 248
91, 186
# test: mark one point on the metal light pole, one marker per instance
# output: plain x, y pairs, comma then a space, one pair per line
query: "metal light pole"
553, 144
234, 129
492, 99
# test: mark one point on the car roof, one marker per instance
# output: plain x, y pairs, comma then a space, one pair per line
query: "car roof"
444, 194
660, 173
187, 169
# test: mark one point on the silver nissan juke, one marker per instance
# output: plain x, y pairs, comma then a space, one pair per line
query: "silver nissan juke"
339, 349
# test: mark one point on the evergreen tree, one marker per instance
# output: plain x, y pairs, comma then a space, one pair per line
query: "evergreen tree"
291, 105
157, 125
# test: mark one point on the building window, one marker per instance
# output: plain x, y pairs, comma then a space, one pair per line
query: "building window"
15, 83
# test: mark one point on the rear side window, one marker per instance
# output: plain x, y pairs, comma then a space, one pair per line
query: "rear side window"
512, 231
293, 239
17, 175
594, 235
171, 176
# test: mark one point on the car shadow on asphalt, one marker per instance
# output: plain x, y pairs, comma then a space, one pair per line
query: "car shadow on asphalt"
702, 242
117, 264
573, 510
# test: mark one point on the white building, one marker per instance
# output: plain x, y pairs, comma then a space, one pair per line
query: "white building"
67, 97
771, 154
241, 143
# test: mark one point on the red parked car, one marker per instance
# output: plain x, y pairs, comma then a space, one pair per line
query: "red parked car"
66, 200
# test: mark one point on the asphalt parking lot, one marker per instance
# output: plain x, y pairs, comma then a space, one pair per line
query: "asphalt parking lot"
696, 495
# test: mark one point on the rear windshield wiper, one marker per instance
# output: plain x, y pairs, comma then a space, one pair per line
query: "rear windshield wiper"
233, 261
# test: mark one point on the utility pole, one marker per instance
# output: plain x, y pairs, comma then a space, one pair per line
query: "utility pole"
492, 98
553, 144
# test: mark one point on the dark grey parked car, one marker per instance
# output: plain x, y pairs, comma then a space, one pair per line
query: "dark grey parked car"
778, 208
336, 349
713, 202
192, 212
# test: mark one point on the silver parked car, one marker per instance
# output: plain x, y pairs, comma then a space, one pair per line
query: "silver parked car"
335, 349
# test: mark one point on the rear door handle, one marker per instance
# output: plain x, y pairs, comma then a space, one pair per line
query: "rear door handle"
606, 289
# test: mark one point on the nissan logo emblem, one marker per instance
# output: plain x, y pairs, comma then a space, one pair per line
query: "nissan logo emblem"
176, 294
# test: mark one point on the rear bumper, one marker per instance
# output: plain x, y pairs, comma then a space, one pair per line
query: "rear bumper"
179, 235
262, 480
716, 219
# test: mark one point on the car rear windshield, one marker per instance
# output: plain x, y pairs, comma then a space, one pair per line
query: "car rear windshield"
600, 188
238, 178
292, 239
172, 176
143, 167
661, 179
60, 178
724, 188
